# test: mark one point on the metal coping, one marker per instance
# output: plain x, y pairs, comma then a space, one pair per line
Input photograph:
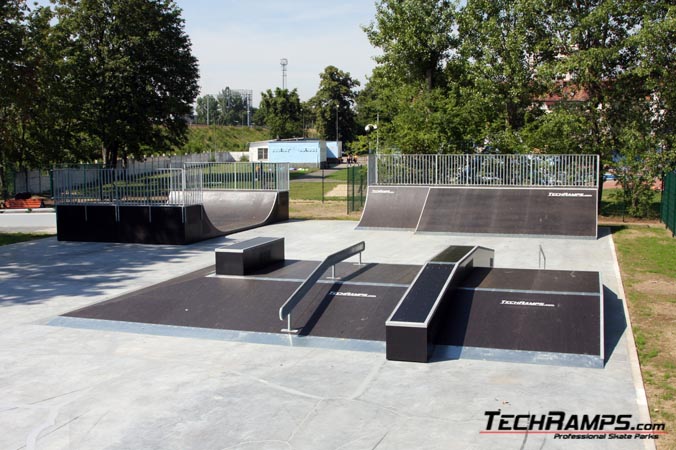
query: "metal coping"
241, 246
445, 352
300, 280
251, 337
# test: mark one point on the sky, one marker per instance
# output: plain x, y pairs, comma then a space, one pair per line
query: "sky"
239, 44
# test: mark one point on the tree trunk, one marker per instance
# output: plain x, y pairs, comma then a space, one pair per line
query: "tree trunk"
111, 150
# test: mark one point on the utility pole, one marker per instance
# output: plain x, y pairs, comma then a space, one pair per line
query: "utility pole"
337, 124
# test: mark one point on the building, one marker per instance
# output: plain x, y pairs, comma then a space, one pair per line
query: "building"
299, 152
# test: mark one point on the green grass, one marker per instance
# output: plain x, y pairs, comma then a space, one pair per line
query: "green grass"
649, 250
13, 238
300, 173
647, 258
305, 190
218, 138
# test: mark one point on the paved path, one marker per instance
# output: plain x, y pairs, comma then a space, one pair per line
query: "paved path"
21, 221
67, 388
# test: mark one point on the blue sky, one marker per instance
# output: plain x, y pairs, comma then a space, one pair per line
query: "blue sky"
240, 43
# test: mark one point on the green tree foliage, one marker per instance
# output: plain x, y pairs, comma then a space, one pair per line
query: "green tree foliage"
13, 75
416, 37
281, 112
333, 105
229, 107
503, 44
207, 110
135, 75
233, 106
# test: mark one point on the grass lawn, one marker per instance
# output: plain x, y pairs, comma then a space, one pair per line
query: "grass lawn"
647, 258
306, 190
13, 238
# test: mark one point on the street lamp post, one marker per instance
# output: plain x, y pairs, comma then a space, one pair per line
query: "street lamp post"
368, 128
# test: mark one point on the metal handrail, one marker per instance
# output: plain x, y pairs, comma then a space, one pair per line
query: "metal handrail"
304, 288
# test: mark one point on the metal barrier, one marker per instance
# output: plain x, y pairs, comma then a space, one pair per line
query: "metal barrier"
304, 288
175, 187
484, 170
668, 206
356, 188
259, 176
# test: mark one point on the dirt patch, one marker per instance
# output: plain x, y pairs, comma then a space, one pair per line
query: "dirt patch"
338, 191
657, 287
312, 209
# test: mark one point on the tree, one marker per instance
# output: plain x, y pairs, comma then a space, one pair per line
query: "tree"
416, 37
333, 105
207, 110
12, 76
233, 107
281, 112
134, 71
504, 43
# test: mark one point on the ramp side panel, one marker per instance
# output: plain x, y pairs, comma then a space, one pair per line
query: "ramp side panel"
519, 211
394, 207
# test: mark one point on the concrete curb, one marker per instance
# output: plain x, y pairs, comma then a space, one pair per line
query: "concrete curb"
632, 352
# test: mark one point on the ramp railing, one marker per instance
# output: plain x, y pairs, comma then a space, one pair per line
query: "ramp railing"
302, 290
523, 170
126, 187
257, 176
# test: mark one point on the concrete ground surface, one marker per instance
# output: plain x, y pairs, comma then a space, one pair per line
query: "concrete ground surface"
69, 388
21, 221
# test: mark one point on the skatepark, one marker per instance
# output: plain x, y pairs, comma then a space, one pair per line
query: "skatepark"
121, 345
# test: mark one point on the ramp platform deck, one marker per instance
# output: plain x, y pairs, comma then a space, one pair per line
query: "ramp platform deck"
535, 316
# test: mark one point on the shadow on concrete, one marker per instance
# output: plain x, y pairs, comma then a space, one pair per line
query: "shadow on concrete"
615, 322
36, 271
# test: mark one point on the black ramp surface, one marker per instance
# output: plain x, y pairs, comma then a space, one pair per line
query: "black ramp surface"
530, 310
393, 207
416, 305
518, 321
527, 211
351, 311
533, 280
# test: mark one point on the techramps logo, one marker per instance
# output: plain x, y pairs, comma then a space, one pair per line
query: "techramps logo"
564, 426
569, 194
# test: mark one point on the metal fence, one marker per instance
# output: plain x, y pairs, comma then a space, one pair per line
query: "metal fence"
356, 188
260, 176
175, 187
484, 170
668, 207
37, 181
